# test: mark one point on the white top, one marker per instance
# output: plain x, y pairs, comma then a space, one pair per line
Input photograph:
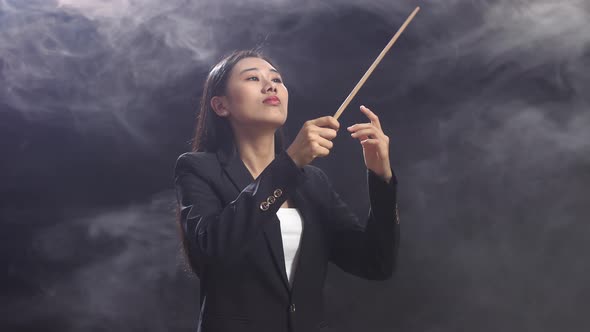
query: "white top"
291, 228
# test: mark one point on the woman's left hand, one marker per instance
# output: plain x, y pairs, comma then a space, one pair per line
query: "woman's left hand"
375, 144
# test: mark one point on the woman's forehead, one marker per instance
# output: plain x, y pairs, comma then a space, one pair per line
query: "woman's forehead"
252, 63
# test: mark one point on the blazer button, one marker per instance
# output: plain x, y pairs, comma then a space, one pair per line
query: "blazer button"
292, 307
396, 214
271, 199
277, 193
264, 206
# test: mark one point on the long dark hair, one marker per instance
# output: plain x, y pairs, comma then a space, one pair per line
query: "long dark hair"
214, 132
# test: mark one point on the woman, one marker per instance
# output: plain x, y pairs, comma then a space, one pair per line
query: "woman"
258, 223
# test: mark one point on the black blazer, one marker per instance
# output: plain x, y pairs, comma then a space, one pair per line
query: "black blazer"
229, 222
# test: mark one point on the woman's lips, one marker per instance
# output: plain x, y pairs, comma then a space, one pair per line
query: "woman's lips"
272, 100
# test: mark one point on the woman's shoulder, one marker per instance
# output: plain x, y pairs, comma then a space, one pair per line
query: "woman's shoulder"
195, 161
196, 155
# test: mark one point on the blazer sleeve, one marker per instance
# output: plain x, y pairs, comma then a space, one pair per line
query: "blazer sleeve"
220, 234
366, 250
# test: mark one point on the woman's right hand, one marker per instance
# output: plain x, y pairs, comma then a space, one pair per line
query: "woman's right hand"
313, 140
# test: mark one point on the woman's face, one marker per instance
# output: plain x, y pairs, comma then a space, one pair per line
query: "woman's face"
255, 97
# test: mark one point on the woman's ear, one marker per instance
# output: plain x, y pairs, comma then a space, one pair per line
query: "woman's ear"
219, 105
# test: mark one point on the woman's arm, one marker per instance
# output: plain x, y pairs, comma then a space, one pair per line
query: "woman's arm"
217, 233
368, 252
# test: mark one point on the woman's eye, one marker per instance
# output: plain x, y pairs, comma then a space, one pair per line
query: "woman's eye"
254, 78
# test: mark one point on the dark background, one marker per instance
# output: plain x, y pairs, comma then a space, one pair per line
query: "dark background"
486, 104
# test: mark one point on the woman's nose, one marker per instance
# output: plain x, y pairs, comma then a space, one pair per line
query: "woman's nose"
270, 86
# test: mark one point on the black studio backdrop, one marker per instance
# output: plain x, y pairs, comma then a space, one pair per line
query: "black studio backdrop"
485, 103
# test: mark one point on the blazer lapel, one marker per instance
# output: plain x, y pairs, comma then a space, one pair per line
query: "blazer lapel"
241, 177
272, 233
306, 242
236, 170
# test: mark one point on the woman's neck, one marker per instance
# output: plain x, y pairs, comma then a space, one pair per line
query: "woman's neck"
256, 151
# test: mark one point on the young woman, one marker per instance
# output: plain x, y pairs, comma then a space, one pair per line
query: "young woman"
258, 223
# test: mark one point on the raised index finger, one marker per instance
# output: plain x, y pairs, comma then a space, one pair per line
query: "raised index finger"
372, 116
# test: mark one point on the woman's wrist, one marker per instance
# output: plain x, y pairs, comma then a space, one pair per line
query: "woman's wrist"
385, 177
293, 158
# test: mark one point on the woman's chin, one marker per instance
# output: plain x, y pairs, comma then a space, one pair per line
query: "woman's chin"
276, 124
276, 120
